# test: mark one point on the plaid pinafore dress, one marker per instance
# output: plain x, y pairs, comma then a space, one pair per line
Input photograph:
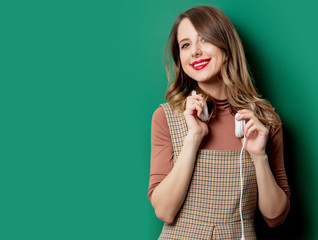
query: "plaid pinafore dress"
211, 207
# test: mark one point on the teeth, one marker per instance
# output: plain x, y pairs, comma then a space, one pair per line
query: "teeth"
199, 64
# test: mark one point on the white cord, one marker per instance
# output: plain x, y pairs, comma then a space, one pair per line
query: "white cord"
243, 236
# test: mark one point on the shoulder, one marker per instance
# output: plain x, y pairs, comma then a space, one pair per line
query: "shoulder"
159, 120
160, 127
158, 114
163, 111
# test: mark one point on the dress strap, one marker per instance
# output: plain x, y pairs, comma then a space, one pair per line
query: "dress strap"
177, 127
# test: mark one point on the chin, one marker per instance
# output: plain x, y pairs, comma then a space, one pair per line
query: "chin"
202, 78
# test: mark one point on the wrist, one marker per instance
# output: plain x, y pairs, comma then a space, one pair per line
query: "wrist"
259, 158
193, 138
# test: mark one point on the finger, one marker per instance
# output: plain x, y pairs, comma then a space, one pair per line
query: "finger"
190, 100
247, 126
251, 130
191, 109
198, 102
261, 129
196, 97
195, 102
244, 111
250, 123
195, 108
246, 116
198, 109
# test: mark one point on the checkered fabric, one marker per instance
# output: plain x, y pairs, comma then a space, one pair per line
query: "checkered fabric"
211, 207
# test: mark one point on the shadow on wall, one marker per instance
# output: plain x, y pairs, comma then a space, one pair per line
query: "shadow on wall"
295, 224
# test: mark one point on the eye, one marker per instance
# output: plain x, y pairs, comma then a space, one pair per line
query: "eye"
184, 45
203, 40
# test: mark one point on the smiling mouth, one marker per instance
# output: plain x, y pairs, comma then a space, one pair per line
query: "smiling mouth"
200, 65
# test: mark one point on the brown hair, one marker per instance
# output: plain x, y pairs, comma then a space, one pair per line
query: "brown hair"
215, 27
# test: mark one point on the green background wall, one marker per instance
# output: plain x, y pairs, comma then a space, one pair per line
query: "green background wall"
80, 81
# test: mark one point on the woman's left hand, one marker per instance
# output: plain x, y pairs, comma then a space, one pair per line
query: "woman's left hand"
256, 134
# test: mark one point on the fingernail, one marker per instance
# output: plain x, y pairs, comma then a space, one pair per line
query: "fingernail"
237, 115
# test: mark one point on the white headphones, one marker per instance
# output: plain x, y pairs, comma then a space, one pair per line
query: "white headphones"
239, 127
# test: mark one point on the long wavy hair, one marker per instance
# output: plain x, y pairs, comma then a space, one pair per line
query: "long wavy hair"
215, 27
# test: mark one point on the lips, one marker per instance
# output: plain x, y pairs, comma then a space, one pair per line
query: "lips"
198, 65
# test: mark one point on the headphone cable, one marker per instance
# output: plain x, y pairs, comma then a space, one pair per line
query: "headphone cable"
243, 236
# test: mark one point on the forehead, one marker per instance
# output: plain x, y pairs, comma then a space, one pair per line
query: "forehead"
186, 30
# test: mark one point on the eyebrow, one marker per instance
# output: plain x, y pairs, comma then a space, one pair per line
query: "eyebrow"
185, 39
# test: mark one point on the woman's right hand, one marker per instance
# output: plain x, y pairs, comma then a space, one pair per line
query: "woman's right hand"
192, 112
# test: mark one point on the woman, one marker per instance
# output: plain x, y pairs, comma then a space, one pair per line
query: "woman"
200, 185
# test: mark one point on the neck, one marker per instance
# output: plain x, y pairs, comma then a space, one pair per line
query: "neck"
216, 89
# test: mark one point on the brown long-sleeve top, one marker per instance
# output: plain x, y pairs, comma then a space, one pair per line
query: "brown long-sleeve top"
221, 136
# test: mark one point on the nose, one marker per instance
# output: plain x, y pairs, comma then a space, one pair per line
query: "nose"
196, 50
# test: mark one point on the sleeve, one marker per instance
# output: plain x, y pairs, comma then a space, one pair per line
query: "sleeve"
275, 153
161, 150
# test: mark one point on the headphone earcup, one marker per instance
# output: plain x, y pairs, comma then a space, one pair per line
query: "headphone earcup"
239, 127
205, 115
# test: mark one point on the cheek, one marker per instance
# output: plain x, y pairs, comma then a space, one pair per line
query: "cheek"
221, 55
214, 50
183, 60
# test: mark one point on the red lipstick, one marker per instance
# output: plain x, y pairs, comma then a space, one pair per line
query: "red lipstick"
198, 65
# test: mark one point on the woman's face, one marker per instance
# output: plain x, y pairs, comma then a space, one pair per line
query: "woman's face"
200, 59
